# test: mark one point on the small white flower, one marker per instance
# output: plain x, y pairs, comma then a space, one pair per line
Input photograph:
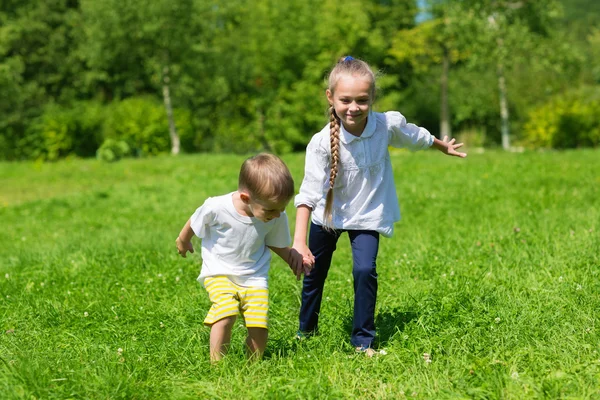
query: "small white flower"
579, 287
560, 279
42, 284
497, 320
444, 276
177, 279
85, 314
6, 276
382, 352
162, 325
119, 351
515, 375
160, 275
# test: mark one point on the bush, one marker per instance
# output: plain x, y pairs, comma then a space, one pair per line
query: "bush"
60, 132
566, 121
112, 150
142, 123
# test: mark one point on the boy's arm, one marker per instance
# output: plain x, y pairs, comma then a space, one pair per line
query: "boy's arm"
184, 240
294, 260
448, 147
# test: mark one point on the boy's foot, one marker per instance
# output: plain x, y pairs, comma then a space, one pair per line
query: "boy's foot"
369, 352
300, 335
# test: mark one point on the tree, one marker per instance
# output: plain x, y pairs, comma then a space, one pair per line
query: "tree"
502, 33
138, 47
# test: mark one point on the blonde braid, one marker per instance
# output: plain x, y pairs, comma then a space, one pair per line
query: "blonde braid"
334, 139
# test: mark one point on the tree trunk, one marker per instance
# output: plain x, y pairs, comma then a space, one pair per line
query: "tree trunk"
445, 129
505, 129
175, 143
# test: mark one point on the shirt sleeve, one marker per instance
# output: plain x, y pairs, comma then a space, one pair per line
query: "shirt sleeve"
403, 134
202, 218
316, 170
279, 235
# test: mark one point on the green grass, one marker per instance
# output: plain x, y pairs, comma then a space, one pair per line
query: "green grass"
493, 271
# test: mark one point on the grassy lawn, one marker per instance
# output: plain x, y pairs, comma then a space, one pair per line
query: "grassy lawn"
494, 273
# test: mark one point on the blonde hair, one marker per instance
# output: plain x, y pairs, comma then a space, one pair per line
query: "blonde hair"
266, 177
345, 66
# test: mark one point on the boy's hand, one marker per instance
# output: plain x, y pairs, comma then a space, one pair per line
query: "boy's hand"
183, 247
299, 263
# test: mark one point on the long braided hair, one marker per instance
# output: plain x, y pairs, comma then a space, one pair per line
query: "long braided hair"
345, 66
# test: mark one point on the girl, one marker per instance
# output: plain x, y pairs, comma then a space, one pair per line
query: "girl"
348, 186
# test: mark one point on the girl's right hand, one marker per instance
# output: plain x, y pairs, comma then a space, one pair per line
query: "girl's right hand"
183, 247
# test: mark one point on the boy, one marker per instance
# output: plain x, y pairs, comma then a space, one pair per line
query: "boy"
237, 231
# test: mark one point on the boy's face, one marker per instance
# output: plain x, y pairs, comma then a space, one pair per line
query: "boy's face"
264, 210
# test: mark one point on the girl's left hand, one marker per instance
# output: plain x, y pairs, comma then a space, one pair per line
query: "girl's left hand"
449, 147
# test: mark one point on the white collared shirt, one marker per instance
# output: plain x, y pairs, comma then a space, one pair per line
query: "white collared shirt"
364, 191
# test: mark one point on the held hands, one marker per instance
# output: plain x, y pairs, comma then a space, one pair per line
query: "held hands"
449, 147
300, 263
183, 247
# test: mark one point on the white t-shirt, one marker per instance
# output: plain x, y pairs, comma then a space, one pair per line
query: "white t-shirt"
364, 191
235, 245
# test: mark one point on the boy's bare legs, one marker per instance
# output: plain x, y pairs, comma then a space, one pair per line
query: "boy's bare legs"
256, 342
220, 337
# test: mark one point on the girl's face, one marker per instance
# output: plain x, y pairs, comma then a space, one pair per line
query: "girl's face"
352, 100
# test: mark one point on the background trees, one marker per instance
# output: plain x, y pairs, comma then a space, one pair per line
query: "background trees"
239, 75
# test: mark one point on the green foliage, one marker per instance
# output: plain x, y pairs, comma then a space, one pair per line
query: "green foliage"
63, 131
247, 76
566, 121
112, 150
141, 123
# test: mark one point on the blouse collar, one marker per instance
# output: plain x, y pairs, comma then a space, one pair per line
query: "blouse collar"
346, 137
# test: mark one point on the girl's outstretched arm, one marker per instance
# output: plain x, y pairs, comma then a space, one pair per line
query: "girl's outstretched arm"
448, 147
302, 217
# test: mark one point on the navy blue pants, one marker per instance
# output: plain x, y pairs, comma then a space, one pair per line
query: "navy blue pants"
322, 244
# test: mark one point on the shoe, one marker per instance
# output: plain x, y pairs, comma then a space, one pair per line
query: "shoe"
369, 352
300, 335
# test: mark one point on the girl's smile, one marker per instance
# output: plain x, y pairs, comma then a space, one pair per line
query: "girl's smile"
352, 102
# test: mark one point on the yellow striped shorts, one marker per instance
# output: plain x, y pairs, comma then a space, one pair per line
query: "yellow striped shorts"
229, 299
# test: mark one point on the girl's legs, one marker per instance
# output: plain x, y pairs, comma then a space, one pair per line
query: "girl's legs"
220, 337
322, 245
256, 342
365, 245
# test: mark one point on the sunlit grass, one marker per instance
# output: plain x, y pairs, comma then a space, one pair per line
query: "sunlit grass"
493, 273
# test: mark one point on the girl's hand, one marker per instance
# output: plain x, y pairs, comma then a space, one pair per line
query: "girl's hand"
449, 147
183, 247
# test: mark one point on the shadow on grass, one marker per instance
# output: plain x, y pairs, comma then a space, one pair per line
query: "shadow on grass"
387, 322
390, 322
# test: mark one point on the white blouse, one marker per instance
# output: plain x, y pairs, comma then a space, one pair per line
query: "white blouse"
364, 191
